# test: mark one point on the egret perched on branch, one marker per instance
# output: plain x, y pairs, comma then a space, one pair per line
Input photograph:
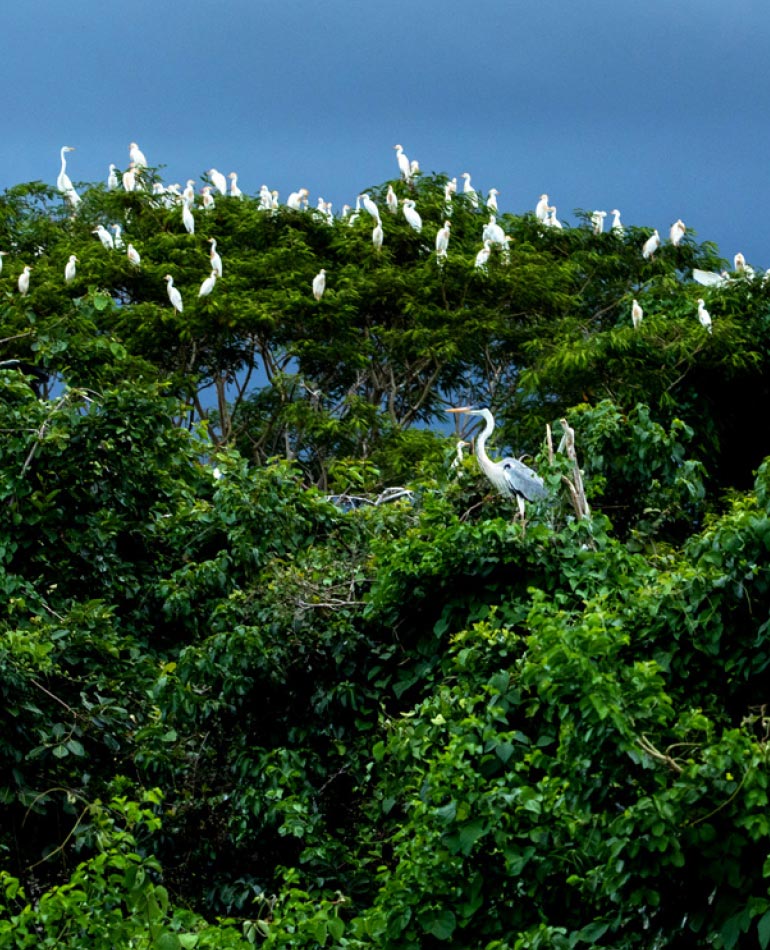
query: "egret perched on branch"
63, 182
136, 155
551, 220
459, 458
2, 255
636, 314
469, 191
483, 256
493, 232
369, 206
112, 177
218, 180
319, 284
510, 477
235, 191
216, 260
173, 294
104, 236
616, 227
187, 218
676, 232
651, 245
492, 199
129, 177
403, 163
710, 278
296, 199
704, 316
117, 240
412, 216
23, 283
133, 256
207, 198
391, 200
69, 269
188, 195
442, 239
208, 285
378, 236
597, 220
541, 209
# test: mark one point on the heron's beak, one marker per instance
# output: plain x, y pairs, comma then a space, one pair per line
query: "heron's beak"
461, 409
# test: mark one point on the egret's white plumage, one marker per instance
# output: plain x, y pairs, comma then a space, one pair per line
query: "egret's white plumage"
412, 215
136, 155
218, 180
616, 227
541, 208
173, 294
70, 268
216, 260
636, 314
23, 282
493, 232
207, 199
391, 200
63, 182
403, 163
235, 191
188, 195
187, 219
442, 239
492, 199
704, 316
117, 240
133, 256
378, 235
651, 245
469, 191
129, 177
551, 220
319, 284
369, 206
483, 256
112, 177
676, 232
710, 278
296, 199
597, 221
104, 236
208, 285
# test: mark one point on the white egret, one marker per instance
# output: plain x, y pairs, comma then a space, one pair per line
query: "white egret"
23, 282
378, 235
469, 191
541, 208
704, 316
356, 214
104, 236
492, 199
448, 192
296, 199
442, 239
369, 206
69, 268
493, 232
207, 198
510, 477
319, 284
133, 256
651, 245
218, 180
597, 221
216, 260
391, 200
173, 294
129, 177
136, 155
483, 256
117, 240
2, 255
412, 216
235, 191
676, 232
740, 265
112, 177
403, 163
551, 220
457, 461
188, 195
63, 182
265, 198
710, 278
616, 227
414, 168
636, 314
187, 219
208, 285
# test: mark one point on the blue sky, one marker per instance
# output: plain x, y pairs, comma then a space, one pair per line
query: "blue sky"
657, 108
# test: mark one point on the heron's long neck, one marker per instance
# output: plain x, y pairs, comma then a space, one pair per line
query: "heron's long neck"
481, 443
63, 162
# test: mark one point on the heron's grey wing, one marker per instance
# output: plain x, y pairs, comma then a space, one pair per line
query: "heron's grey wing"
523, 480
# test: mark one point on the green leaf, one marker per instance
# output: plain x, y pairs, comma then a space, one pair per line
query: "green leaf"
440, 924
763, 930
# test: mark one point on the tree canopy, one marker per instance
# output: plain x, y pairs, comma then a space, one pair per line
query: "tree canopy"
251, 698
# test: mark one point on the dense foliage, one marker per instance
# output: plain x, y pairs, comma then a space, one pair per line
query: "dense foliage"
239, 709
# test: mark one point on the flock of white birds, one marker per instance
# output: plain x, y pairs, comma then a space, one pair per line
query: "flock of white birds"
492, 235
